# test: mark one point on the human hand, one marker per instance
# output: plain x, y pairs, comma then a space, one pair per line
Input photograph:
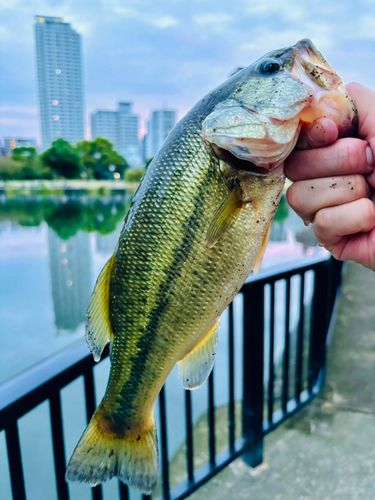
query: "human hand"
334, 182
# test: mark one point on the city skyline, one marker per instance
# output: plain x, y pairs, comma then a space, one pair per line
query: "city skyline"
170, 55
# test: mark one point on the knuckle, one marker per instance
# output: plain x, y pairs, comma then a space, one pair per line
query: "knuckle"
323, 220
292, 195
367, 210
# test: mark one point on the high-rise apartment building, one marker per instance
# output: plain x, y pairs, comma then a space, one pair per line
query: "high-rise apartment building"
158, 128
121, 128
60, 80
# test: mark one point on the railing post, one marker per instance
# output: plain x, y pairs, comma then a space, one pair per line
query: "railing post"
319, 325
253, 391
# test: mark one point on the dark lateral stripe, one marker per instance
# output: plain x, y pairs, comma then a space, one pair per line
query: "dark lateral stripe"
145, 344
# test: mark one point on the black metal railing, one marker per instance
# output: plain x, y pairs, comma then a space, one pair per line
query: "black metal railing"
286, 319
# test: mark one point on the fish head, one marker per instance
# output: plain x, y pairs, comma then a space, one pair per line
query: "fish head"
260, 120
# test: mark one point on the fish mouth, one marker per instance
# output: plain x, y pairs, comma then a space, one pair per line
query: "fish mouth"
330, 99
258, 133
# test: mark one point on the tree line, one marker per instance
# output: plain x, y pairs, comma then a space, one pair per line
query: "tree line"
87, 160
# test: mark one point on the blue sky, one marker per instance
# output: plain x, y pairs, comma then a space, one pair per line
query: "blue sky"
168, 53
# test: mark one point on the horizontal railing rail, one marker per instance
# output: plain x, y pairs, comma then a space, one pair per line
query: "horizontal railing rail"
288, 312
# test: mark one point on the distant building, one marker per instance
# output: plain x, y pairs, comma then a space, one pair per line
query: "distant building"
105, 124
11, 143
121, 128
60, 80
158, 128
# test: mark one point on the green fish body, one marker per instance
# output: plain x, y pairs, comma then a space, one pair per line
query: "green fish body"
198, 224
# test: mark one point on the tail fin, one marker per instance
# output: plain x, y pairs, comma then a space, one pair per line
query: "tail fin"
99, 456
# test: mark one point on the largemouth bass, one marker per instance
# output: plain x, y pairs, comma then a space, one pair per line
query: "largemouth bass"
198, 224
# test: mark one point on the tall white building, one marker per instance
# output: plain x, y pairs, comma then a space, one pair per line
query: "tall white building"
158, 128
60, 80
121, 128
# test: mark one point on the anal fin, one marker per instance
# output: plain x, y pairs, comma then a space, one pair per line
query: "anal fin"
196, 366
263, 249
98, 325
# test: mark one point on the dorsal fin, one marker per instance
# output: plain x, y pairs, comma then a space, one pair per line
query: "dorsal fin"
98, 325
196, 366
263, 249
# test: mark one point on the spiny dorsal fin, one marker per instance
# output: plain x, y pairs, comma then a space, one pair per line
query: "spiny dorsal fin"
225, 216
98, 325
196, 366
263, 248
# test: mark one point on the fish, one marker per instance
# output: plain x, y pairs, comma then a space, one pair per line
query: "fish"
197, 226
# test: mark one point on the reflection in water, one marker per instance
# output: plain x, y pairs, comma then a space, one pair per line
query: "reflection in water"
66, 215
70, 265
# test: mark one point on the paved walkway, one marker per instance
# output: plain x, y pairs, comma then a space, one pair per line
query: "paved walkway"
327, 451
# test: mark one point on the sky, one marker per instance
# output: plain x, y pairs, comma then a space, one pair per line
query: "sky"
169, 53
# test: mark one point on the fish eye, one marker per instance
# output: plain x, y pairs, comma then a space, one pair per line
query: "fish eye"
269, 67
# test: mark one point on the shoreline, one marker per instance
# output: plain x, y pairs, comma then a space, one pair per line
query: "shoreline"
13, 188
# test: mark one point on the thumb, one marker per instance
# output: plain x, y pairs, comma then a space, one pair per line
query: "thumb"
320, 133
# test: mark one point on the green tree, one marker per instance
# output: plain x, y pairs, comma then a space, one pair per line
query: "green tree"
30, 164
63, 160
135, 175
282, 211
148, 162
100, 160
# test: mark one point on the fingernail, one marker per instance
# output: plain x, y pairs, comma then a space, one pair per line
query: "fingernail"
370, 156
318, 134
306, 222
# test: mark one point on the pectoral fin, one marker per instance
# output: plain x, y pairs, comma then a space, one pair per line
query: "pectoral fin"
98, 325
225, 216
263, 249
196, 366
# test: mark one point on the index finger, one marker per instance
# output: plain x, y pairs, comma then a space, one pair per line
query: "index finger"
344, 157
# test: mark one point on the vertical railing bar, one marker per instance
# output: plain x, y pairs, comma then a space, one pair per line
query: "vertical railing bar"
286, 348
211, 420
189, 437
58, 446
96, 491
299, 360
271, 353
15, 462
164, 444
231, 407
123, 491
253, 370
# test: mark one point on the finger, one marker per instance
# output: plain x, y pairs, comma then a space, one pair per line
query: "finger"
364, 99
318, 134
331, 224
308, 197
359, 247
345, 156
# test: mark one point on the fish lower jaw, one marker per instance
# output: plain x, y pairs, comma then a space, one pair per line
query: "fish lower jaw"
262, 159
